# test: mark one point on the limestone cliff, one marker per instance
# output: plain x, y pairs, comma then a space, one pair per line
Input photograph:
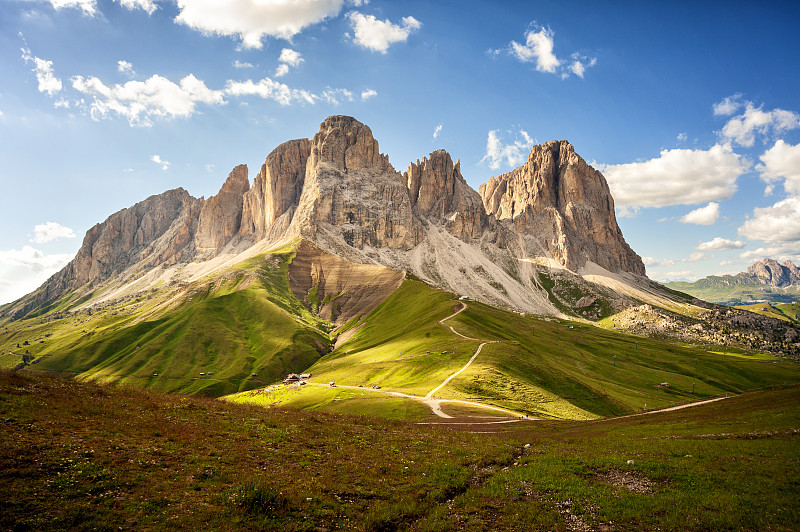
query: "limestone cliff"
566, 204
772, 273
221, 215
351, 187
438, 191
276, 189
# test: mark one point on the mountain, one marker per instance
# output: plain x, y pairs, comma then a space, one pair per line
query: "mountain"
765, 281
553, 216
332, 260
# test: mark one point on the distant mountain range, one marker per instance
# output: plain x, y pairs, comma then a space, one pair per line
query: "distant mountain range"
765, 281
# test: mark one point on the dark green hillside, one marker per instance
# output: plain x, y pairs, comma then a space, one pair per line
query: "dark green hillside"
240, 331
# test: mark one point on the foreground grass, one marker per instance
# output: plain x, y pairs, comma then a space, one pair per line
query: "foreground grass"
66, 462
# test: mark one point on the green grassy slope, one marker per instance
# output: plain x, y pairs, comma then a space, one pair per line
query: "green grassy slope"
732, 290
184, 463
782, 311
542, 367
246, 323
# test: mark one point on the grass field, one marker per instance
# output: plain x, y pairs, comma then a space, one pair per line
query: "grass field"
542, 367
178, 462
781, 311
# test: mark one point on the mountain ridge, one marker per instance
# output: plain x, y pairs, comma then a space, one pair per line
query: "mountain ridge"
338, 191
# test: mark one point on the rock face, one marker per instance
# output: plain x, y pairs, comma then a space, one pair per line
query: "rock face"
276, 189
339, 192
770, 272
439, 192
351, 189
566, 203
221, 215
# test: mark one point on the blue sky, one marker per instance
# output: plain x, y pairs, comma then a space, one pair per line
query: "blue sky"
689, 108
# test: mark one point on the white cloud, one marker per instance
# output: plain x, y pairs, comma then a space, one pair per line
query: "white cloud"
89, 7
677, 177
210, 167
239, 64
252, 20
158, 160
720, 244
694, 257
49, 231
287, 58
776, 224
125, 67
682, 137
437, 131
743, 128
378, 35
48, 82
146, 5
367, 94
269, 89
141, 101
334, 96
649, 261
513, 154
22, 271
728, 106
782, 161
683, 274
538, 48
579, 65
290, 57
703, 216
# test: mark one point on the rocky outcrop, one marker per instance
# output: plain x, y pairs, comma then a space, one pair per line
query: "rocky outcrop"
221, 215
276, 189
352, 189
157, 231
336, 289
439, 192
565, 203
770, 272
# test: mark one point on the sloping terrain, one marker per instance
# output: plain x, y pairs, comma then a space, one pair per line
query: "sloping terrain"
527, 364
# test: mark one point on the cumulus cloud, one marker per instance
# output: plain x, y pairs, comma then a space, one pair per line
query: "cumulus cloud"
512, 153
719, 244
743, 128
125, 67
650, 261
703, 216
378, 35
335, 96
367, 94
48, 82
728, 106
252, 20
240, 64
683, 274
146, 5
694, 257
88, 7
141, 101
782, 161
269, 89
539, 49
49, 231
158, 160
776, 224
677, 177
288, 58
22, 271
437, 131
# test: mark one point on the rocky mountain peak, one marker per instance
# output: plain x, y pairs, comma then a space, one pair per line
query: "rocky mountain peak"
221, 215
771, 272
347, 145
567, 203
